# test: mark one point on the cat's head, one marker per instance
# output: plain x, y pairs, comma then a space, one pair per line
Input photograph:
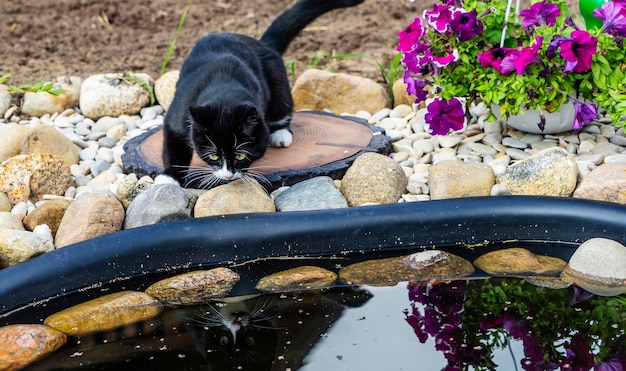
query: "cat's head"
229, 140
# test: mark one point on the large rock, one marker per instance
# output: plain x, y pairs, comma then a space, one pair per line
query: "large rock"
17, 246
41, 103
114, 95
338, 92
313, 194
194, 287
105, 313
10, 220
48, 139
29, 177
519, 261
24, 344
5, 204
373, 178
551, 172
165, 87
421, 266
299, 278
160, 203
598, 265
91, 215
239, 196
607, 182
453, 179
11, 139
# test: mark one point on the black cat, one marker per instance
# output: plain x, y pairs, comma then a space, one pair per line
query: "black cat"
233, 100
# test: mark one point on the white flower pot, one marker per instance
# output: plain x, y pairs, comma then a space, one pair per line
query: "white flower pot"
527, 120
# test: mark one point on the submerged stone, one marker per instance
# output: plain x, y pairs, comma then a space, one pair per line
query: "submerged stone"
21, 345
598, 266
421, 266
519, 261
300, 278
194, 287
105, 313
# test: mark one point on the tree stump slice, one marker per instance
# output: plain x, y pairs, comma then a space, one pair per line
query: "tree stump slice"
323, 144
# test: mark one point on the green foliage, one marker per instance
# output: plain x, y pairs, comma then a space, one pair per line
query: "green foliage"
172, 46
46, 87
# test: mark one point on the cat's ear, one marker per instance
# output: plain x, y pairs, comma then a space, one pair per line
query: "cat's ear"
196, 113
202, 115
253, 118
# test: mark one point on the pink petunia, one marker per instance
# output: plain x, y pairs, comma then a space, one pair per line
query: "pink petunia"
578, 51
410, 35
500, 59
527, 56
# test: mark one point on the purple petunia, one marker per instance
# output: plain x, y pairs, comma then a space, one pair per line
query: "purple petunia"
613, 15
465, 24
578, 51
540, 14
444, 115
578, 354
440, 17
585, 113
415, 87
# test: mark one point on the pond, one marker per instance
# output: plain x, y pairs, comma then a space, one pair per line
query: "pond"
480, 320
486, 323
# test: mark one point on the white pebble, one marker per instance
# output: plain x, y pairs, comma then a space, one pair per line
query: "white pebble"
379, 115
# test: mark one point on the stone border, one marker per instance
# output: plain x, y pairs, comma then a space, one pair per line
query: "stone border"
358, 233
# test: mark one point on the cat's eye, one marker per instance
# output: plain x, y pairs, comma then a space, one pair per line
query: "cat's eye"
214, 157
224, 341
250, 341
239, 156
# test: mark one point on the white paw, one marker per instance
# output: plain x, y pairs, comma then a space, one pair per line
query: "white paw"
281, 138
165, 179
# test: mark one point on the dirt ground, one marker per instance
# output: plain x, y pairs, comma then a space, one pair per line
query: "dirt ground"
44, 39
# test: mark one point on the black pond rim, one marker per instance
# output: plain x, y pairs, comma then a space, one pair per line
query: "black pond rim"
231, 239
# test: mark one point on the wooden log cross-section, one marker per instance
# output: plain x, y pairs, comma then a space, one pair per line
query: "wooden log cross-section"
323, 144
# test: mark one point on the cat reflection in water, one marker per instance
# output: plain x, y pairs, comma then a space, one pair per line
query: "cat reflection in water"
236, 335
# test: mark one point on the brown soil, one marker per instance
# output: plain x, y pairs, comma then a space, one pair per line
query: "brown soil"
45, 39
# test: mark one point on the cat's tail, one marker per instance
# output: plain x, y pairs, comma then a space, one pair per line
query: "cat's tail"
293, 20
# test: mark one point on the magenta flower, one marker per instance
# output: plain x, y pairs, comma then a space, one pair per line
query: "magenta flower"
444, 115
578, 51
440, 17
465, 25
540, 14
501, 59
410, 35
446, 59
415, 87
613, 15
527, 56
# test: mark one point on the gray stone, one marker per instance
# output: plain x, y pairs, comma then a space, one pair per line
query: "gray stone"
514, 143
599, 266
159, 203
552, 172
313, 194
373, 178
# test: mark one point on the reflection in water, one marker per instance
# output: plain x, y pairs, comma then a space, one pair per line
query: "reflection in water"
267, 332
567, 329
467, 323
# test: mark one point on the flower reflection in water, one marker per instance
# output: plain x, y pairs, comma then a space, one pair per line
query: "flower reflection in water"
567, 329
